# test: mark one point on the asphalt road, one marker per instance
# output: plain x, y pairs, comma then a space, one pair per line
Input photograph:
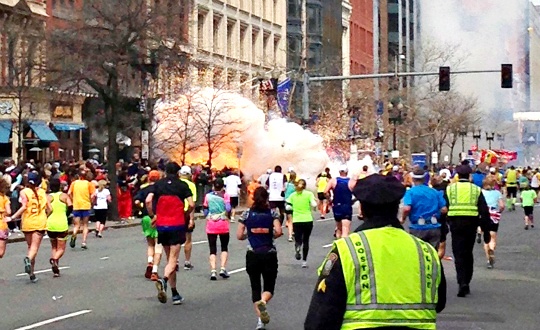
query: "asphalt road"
104, 287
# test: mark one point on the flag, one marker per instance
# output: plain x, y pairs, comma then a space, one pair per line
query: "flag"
283, 95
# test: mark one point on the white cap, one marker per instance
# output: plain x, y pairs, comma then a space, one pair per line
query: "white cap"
395, 168
492, 169
291, 169
343, 168
148, 169
269, 171
185, 170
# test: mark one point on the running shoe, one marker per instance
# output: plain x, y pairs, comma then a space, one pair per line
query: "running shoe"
223, 273
491, 258
213, 275
297, 252
154, 277
83, 246
161, 286
478, 238
290, 239
33, 278
72, 241
27, 265
265, 317
188, 265
260, 325
526, 227
55, 269
177, 299
148, 272
99, 235
232, 220
532, 226
304, 264
489, 265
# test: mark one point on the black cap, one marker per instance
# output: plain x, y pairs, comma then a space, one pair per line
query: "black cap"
379, 189
463, 170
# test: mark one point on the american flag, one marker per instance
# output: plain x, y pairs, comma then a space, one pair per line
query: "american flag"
495, 215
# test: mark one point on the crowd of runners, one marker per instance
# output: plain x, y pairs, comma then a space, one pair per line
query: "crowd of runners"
41, 200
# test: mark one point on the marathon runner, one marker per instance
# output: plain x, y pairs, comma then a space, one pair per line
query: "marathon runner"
342, 202
81, 192
185, 175
57, 224
5, 211
166, 205
276, 188
301, 202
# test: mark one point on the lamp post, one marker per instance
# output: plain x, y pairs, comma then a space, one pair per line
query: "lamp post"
490, 137
395, 107
463, 133
477, 135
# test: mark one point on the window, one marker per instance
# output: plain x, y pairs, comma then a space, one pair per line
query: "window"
314, 56
254, 52
293, 51
216, 39
243, 41
230, 38
314, 20
200, 30
276, 49
266, 48
293, 9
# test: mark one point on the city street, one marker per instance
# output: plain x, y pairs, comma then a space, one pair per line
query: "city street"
104, 287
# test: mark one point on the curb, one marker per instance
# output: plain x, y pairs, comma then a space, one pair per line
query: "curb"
136, 223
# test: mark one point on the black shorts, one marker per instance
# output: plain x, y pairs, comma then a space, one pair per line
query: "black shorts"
342, 212
234, 202
171, 237
57, 234
529, 210
511, 192
278, 205
321, 196
100, 215
493, 227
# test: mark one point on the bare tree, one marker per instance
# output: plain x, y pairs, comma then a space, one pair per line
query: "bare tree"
216, 123
115, 48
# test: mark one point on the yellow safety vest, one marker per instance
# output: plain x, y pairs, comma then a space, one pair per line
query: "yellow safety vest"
463, 199
376, 295
511, 178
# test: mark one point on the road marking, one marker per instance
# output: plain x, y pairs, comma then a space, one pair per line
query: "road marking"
237, 270
103, 258
55, 319
198, 242
328, 245
329, 219
42, 271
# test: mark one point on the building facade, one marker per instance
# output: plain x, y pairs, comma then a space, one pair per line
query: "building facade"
233, 43
36, 122
361, 41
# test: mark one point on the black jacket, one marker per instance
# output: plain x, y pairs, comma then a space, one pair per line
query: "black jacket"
327, 309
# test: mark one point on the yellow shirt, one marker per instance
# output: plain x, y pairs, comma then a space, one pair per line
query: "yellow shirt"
82, 192
322, 182
4, 201
34, 217
193, 189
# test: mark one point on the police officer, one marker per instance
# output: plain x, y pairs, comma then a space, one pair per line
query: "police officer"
467, 209
358, 286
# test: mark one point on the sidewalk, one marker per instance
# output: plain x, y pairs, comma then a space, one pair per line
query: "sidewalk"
19, 237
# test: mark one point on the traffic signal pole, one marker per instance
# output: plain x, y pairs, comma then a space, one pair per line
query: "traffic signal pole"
307, 79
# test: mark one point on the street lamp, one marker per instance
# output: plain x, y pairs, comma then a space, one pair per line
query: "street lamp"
395, 118
463, 133
477, 135
490, 137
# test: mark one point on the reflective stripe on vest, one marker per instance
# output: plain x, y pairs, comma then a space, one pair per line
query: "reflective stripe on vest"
370, 304
463, 199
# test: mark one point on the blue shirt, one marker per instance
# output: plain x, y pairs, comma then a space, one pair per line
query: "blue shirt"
425, 202
492, 198
478, 179
342, 193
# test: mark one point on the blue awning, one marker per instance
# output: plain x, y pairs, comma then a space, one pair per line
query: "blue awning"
43, 131
68, 126
5, 130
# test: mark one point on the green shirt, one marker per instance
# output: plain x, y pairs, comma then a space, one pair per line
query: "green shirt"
528, 196
57, 221
301, 206
193, 189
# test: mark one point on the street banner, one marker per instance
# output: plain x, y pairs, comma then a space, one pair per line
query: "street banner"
419, 159
283, 96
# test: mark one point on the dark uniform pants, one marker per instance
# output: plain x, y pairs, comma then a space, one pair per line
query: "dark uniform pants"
463, 231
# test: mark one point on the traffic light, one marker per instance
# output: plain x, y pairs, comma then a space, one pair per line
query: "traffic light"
444, 78
506, 76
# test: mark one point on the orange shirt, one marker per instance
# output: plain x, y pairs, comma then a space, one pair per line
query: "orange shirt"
34, 217
82, 192
4, 202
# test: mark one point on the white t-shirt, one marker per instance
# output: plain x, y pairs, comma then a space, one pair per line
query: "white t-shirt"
276, 186
101, 199
231, 185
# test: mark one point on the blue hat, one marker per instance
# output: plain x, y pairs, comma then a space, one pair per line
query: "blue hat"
34, 178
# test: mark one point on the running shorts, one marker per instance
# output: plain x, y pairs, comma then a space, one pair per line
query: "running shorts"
342, 212
148, 230
101, 215
171, 237
511, 192
528, 210
60, 235
493, 227
81, 213
234, 202
321, 196
278, 204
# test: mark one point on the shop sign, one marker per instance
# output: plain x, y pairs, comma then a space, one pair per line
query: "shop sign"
62, 110
6, 107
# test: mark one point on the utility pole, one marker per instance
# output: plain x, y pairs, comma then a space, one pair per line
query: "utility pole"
305, 77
